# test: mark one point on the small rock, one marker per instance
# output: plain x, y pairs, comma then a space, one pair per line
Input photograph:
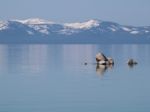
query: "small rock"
132, 62
85, 63
110, 61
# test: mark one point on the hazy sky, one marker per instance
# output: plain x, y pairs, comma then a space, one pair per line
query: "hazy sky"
129, 12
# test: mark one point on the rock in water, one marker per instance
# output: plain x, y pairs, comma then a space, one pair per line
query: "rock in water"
132, 62
103, 60
85, 63
110, 61
101, 57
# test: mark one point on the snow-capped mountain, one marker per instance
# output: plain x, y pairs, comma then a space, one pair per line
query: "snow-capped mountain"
92, 31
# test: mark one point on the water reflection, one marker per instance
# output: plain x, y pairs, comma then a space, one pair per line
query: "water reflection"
101, 69
132, 65
33, 59
23, 58
3, 59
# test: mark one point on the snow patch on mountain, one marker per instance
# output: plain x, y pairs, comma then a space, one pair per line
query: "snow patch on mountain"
112, 29
126, 29
40, 28
134, 32
84, 25
68, 31
35, 21
3, 25
30, 32
146, 31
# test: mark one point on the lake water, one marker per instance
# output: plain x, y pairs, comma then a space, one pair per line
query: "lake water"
53, 78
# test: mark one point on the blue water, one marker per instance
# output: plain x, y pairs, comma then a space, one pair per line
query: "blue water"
53, 78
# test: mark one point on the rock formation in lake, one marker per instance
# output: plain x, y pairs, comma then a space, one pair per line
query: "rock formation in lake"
103, 60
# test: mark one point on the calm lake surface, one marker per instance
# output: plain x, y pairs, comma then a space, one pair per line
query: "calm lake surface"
53, 78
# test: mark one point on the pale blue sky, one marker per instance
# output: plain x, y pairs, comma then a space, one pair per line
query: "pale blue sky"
129, 12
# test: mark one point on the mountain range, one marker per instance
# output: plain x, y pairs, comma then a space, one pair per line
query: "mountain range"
92, 31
